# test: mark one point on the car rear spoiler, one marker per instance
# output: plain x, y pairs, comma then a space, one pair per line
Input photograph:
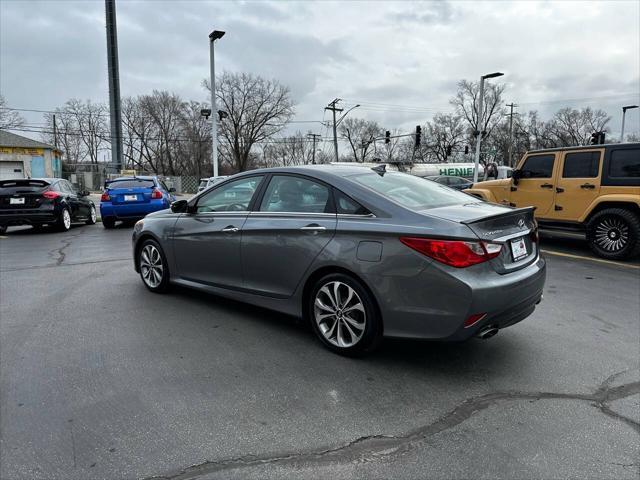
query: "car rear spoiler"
515, 211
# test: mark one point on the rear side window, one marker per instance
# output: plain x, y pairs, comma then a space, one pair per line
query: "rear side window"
538, 166
625, 163
293, 194
581, 165
348, 206
131, 184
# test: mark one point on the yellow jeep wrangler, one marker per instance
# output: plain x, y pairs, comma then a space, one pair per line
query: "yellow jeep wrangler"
595, 189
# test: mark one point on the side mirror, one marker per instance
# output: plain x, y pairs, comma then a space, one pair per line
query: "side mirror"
516, 175
180, 206
172, 189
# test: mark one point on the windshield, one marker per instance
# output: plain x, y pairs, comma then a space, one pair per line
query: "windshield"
131, 183
410, 191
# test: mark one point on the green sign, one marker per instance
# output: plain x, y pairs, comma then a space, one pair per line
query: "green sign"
457, 171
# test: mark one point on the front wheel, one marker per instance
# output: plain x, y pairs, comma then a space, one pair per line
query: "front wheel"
153, 268
64, 220
108, 222
91, 220
614, 233
344, 315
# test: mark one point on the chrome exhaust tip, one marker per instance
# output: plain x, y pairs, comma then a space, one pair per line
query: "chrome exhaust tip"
487, 333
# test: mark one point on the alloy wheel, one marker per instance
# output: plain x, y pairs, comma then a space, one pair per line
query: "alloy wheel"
612, 234
339, 314
66, 219
93, 214
151, 266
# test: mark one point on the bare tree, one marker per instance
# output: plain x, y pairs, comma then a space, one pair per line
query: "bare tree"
67, 137
9, 119
361, 135
444, 133
90, 121
570, 126
466, 103
256, 110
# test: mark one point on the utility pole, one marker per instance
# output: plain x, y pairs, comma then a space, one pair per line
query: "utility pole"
511, 105
334, 109
55, 132
314, 136
114, 84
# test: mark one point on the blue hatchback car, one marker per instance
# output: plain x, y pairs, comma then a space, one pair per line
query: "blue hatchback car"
131, 198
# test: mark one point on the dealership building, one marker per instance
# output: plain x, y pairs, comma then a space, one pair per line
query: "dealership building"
22, 157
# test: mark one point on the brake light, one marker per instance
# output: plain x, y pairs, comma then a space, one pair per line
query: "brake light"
455, 253
156, 194
105, 197
50, 194
473, 319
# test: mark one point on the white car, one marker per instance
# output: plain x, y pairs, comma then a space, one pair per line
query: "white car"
208, 182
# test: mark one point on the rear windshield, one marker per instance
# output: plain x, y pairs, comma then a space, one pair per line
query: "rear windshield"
22, 186
410, 191
135, 183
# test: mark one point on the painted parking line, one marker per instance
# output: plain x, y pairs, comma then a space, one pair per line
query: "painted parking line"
598, 260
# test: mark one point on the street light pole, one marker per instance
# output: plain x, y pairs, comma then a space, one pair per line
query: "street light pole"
479, 121
213, 36
624, 113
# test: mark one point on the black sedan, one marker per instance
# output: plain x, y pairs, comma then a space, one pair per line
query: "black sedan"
43, 201
459, 183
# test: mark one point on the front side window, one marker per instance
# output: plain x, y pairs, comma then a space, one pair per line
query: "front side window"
625, 163
410, 191
231, 197
538, 166
581, 165
294, 194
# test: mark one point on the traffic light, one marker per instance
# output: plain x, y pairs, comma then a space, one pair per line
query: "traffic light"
387, 137
449, 149
597, 138
466, 149
418, 135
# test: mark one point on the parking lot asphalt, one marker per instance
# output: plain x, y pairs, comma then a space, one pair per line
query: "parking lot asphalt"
100, 378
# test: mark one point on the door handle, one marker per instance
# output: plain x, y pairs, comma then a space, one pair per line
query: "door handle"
589, 186
313, 228
230, 229
546, 185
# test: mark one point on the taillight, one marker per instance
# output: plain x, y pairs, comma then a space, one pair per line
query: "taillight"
473, 319
105, 197
456, 253
50, 194
156, 194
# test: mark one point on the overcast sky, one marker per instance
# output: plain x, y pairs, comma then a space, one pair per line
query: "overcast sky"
402, 58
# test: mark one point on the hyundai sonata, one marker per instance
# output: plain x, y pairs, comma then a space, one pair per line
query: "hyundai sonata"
360, 253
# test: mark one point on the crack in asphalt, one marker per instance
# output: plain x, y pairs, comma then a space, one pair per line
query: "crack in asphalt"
66, 264
60, 252
368, 448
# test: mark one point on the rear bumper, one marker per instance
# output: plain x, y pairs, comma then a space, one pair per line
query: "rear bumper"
447, 297
27, 217
131, 211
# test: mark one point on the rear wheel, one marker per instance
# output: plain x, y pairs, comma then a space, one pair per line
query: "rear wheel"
64, 220
153, 266
3, 229
344, 315
614, 233
108, 222
91, 220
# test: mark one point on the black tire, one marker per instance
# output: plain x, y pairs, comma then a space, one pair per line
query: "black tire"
145, 257
346, 316
63, 223
3, 229
92, 216
108, 222
614, 233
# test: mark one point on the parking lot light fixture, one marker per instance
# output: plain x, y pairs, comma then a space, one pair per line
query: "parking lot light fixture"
479, 122
624, 113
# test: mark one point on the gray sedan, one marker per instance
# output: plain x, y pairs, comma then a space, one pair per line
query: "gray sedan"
359, 253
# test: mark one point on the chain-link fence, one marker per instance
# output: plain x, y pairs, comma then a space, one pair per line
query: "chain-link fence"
94, 181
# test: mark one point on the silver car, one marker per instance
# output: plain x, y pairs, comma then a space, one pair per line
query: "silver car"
360, 253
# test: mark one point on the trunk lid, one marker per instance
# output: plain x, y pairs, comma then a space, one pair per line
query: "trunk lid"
130, 195
515, 228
